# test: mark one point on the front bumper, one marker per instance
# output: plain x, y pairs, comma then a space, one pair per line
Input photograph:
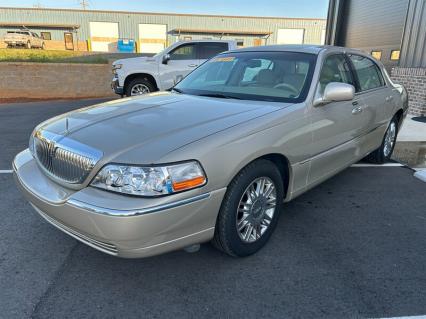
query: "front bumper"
141, 227
115, 85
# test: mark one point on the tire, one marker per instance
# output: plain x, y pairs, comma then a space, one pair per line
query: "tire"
145, 86
28, 46
43, 46
227, 237
384, 152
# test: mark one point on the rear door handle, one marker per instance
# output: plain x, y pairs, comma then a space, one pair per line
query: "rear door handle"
357, 110
192, 65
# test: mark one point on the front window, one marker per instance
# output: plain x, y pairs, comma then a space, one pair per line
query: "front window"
335, 69
268, 76
183, 52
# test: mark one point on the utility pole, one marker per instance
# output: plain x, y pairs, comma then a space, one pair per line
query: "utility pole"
84, 4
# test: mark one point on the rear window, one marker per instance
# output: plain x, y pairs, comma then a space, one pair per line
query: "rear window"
368, 73
208, 50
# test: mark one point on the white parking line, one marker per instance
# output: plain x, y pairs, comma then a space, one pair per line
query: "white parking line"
421, 175
407, 317
378, 165
6, 171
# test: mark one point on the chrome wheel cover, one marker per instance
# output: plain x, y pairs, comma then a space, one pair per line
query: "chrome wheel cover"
389, 139
139, 89
256, 209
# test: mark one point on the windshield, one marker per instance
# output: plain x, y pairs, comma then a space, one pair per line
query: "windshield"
268, 76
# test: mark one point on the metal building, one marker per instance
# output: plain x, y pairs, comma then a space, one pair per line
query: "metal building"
100, 30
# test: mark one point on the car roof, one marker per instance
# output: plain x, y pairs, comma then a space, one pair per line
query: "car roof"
303, 48
204, 40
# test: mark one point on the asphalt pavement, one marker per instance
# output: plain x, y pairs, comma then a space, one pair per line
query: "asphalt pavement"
352, 247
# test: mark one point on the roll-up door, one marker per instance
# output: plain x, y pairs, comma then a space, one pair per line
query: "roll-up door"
152, 37
104, 36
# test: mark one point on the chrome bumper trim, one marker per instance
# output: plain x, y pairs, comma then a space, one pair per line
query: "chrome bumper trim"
135, 212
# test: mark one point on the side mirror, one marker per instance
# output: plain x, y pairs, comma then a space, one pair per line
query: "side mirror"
335, 92
166, 58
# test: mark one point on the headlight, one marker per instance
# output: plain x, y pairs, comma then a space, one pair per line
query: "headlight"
117, 66
150, 180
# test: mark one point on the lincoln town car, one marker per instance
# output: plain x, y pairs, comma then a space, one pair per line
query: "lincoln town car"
217, 156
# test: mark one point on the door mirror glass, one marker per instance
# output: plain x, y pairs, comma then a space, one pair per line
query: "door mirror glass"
166, 58
336, 92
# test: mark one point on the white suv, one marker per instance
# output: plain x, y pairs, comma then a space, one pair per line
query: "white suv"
142, 75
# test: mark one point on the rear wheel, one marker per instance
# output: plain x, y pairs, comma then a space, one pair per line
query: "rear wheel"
139, 86
250, 209
384, 152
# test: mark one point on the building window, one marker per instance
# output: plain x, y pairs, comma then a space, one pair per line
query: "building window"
240, 43
395, 55
377, 55
46, 35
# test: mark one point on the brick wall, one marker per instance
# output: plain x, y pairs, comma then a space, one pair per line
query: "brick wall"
54, 80
414, 79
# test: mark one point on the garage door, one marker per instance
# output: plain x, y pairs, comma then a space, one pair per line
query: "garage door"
290, 36
104, 36
373, 26
152, 37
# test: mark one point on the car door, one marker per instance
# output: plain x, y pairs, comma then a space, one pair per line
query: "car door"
372, 89
183, 59
35, 40
336, 125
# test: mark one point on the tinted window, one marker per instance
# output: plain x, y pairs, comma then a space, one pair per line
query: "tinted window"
267, 76
184, 52
369, 74
210, 49
335, 69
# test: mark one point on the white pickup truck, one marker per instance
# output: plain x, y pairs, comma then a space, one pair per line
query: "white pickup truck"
142, 75
24, 38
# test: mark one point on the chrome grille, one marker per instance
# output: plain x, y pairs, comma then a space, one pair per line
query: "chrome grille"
64, 158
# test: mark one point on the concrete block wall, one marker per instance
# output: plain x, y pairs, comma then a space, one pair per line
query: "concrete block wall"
414, 79
57, 45
54, 80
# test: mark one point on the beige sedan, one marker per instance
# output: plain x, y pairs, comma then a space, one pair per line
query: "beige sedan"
217, 157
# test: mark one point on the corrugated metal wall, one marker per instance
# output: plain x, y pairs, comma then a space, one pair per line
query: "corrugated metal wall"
128, 23
413, 53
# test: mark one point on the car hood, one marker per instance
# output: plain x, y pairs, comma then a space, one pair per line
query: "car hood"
135, 60
144, 129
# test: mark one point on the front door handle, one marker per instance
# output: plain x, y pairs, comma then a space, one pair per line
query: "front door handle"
389, 98
192, 65
357, 110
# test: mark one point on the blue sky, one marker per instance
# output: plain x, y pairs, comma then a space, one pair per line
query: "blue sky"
276, 8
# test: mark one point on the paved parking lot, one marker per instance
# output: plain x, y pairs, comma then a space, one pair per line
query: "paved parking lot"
352, 247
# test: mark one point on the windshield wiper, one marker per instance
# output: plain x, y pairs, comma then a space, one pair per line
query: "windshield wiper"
219, 95
176, 90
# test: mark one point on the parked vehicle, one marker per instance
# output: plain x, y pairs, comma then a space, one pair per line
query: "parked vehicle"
142, 75
215, 158
24, 38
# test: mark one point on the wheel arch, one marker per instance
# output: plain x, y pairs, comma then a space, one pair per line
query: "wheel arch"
281, 162
399, 115
146, 76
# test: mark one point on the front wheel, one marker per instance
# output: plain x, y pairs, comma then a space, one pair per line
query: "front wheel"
139, 86
384, 152
250, 209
